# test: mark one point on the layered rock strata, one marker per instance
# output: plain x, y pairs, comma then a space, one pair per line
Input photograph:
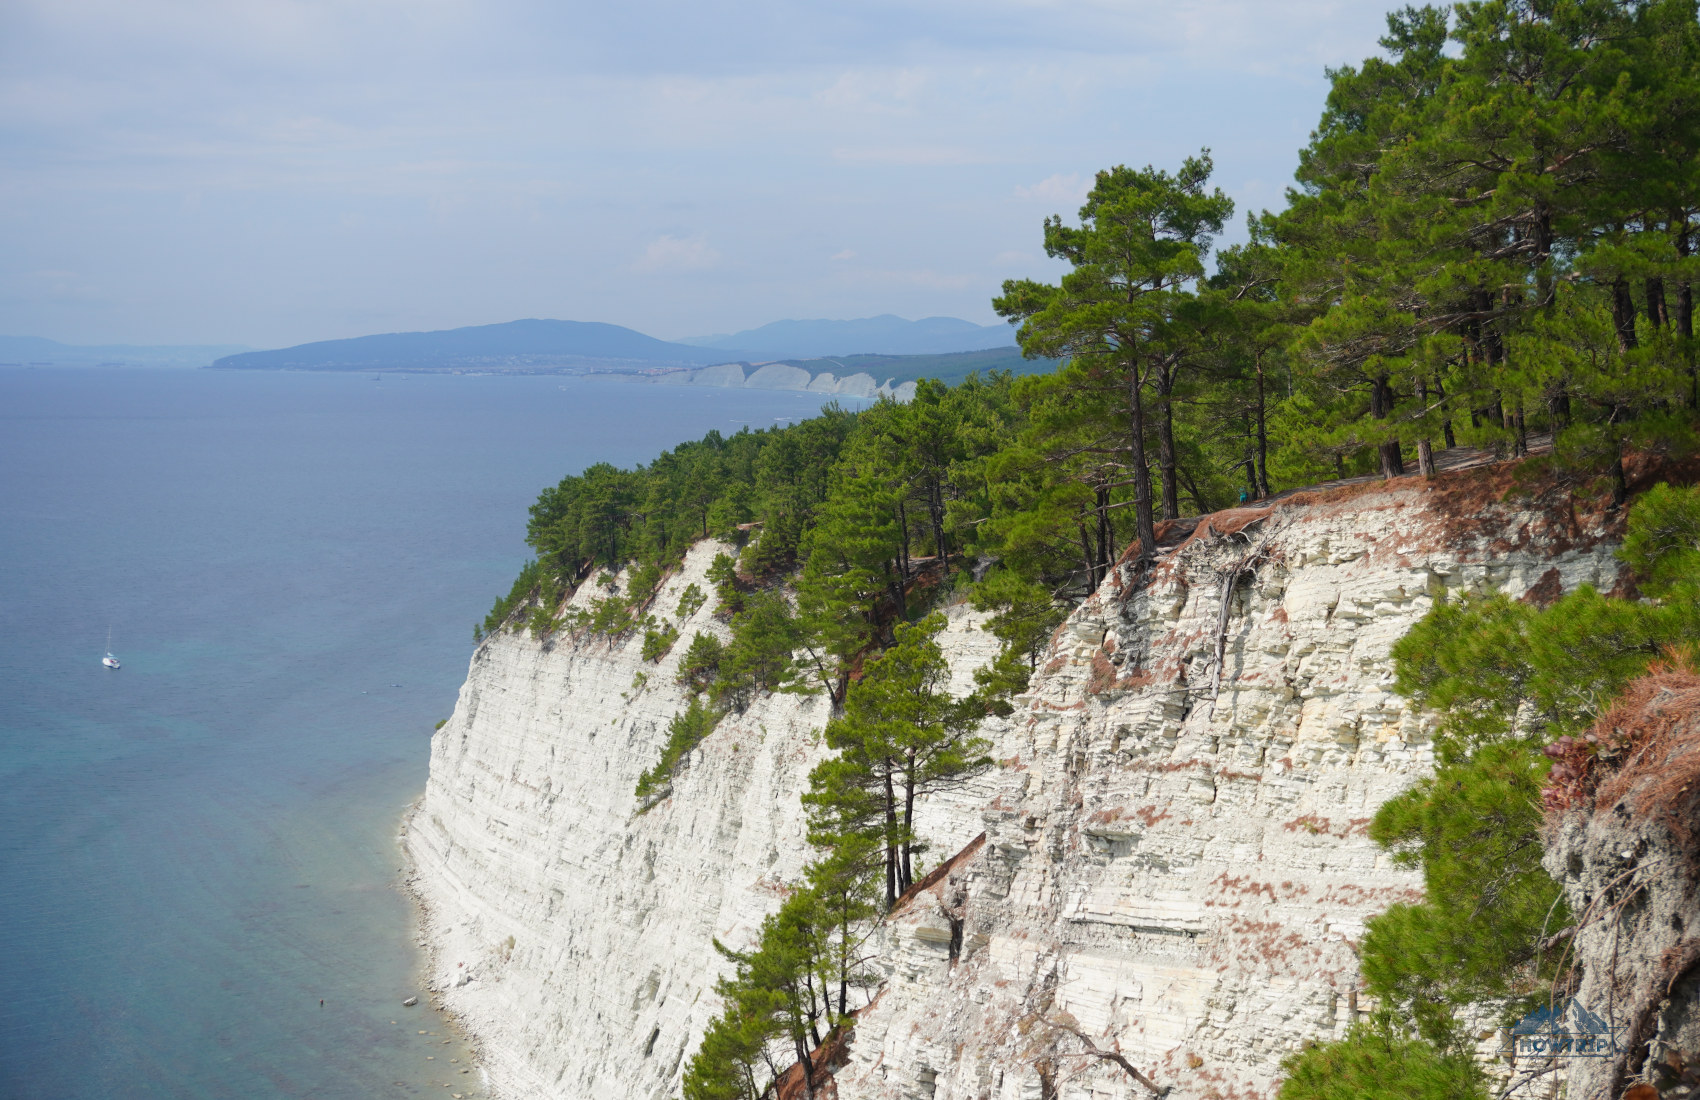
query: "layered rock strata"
1174, 870
573, 934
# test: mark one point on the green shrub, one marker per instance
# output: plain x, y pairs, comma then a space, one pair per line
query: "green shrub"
684, 733
609, 616
530, 576
690, 601
1374, 1062
641, 586
764, 635
1506, 679
658, 641
540, 622
723, 574
701, 663
1663, 541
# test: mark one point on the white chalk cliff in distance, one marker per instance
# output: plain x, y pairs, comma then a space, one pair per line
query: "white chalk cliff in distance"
784, 376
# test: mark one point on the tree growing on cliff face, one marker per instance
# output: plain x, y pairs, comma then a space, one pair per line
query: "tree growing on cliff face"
901, 736
845, 880
777, 1006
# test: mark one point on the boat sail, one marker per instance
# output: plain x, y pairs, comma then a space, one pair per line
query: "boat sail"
109, 660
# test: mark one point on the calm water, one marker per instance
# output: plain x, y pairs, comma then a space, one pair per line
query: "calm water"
194, 851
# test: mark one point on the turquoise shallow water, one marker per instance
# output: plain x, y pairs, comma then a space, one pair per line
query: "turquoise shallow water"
198, 848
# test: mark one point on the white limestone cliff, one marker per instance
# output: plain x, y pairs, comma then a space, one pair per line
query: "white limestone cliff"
785, 376
572, 934
1171, 876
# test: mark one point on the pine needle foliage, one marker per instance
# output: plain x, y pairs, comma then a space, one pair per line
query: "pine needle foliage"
1505, 680
1376, 1062
685, 732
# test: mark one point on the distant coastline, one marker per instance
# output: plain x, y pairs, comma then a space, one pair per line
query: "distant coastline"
849, 375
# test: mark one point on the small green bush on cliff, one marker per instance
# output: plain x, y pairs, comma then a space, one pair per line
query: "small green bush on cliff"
701, 662
690, 601
530, 576
1376, 1062
684, 733
658, 640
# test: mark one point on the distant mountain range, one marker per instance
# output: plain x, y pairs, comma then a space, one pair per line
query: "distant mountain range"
543, 346
886, 334
516, 345
35, 351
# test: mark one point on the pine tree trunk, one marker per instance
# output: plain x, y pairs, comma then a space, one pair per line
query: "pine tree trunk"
1146, 526
908, 823
1262, 436
844, 956
1381, 408
1425, 451
1087, 557
812, 1012
1543, 252
803, 1063
1685, 322
1192, 491
1166, 443
898, 595
890, 841
1619, 480
1656, 309
1623, 315
902, 541
1558, 406
1106, 531
935, 503
1490, 340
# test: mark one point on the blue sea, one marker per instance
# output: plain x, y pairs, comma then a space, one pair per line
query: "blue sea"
199, 848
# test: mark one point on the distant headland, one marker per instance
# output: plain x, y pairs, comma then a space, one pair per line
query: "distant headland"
874, 362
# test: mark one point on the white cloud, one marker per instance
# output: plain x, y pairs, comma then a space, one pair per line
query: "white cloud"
668, 254
844, 254
1069, 189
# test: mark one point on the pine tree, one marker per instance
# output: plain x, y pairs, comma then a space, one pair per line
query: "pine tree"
901, 736
1141, 243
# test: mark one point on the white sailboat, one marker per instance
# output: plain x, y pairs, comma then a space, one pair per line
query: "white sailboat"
109, 660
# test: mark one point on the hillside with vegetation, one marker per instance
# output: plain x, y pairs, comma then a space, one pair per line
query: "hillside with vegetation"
1490, 245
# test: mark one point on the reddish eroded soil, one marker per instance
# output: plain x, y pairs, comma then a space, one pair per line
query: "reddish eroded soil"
1475, 499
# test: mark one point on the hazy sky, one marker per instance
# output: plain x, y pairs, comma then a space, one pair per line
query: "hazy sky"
274, 171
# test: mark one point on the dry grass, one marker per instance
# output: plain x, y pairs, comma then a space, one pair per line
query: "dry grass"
1650, 732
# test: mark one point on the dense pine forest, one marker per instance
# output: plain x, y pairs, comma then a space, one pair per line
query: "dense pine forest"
1490, 244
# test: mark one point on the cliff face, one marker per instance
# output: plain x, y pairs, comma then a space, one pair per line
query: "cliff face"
1167, 876
1624, 848
572, 934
